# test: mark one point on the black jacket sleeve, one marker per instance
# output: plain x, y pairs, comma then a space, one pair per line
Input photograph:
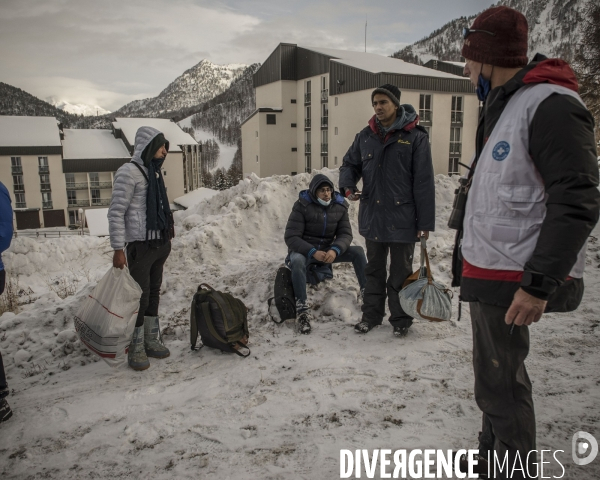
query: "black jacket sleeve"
294, 230
343, 233
351, 169
562, 148
423, 184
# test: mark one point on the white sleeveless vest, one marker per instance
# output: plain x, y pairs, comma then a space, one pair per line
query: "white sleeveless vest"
506, 204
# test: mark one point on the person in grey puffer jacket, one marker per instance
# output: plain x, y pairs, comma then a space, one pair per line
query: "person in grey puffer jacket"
140, 221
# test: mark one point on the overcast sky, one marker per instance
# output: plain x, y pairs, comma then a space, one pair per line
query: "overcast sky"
109, 52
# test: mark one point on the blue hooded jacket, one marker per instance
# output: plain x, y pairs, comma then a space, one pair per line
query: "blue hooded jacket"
6, 221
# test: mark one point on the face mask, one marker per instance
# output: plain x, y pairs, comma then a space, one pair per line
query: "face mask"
323, 202
483, 86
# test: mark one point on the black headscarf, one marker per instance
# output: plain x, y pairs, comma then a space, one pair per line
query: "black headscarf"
158, 212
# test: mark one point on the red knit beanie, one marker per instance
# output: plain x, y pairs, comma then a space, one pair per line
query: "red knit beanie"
508, 48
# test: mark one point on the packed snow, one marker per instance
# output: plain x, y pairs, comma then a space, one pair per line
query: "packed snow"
285, 412
195, 196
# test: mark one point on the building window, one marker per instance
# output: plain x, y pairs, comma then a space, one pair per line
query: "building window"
455, 142
307, 142
271, 119
45, 183
257, 159
293, 100
43, 165
15, 165
324, 161
307, 91
428, 129
293, 125
453, 167
324, 91
336, 101
46, 200
336, 130
18, 185
307, 167
324, 115
324, 142
94, 180
425, 110
72, 198
70, 179
307, 118
335, 160
256, 134
20, 200
95, 196
457, 109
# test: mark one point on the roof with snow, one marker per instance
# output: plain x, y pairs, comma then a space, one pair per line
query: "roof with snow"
172, 132
374, 63
92, 143
16, 131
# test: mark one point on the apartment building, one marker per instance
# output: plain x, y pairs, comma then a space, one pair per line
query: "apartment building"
456, 68
53, 173
311, 102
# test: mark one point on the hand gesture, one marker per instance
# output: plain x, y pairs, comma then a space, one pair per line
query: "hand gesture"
319, 256
525, 309
354, 196
330, 256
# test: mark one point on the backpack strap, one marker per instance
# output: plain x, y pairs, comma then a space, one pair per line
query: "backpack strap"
141, 170
242, 347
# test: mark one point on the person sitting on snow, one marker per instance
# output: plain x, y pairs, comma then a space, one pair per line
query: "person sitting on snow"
318, 233
140, 217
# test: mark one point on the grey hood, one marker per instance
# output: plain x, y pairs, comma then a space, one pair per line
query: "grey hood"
143, 137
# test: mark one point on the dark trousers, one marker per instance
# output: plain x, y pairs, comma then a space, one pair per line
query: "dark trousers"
3, 384
297, 264
401, 258
503, 388
146, 267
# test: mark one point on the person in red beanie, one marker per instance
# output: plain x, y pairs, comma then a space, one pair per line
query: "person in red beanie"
532, 201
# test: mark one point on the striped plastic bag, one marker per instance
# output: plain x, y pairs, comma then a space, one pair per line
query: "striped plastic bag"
106, 320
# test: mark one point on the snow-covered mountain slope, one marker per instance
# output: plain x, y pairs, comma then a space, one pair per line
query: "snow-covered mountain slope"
554, 30
285, 412
196, 85
80, 108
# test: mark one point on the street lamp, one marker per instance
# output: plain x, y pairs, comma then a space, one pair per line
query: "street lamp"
81, 219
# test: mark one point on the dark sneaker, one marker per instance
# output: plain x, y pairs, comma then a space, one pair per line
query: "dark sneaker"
363, 327
5, 411
400, 331
304, 323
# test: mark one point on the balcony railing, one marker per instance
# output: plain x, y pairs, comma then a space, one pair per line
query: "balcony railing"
100, 201
100, 184
78, 203
307, 98
44, 169
324, 121
457, 117
45, 187
324, 95
324, 148
19, 188
307, 123
455, 148
425, 115
20, 205
47, 205
307, 148
77, 186
16, 170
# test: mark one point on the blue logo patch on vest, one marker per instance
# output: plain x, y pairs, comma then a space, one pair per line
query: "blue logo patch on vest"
501, 151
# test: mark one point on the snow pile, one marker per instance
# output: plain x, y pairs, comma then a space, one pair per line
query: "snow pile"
286, 411
195, 196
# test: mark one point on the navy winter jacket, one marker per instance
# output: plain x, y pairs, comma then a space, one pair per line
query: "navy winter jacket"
398, 195
312, 227
6, 221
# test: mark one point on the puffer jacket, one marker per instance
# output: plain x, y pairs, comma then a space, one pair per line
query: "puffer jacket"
398, 195
6, 221
127, 211
312, 226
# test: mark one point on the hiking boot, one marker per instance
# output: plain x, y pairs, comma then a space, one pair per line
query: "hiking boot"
136, 357
304, 323
153, 346
363, 327
400, 331
5, 411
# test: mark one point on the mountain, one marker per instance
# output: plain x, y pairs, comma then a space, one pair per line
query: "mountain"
554, 30
195, 86
80, 108
14, 101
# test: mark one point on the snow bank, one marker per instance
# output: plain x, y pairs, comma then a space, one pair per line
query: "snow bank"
195, 196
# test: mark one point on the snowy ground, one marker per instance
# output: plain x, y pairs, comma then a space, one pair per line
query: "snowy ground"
285, 412
226, 152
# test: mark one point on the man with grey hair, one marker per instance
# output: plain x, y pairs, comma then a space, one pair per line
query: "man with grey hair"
140, 219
